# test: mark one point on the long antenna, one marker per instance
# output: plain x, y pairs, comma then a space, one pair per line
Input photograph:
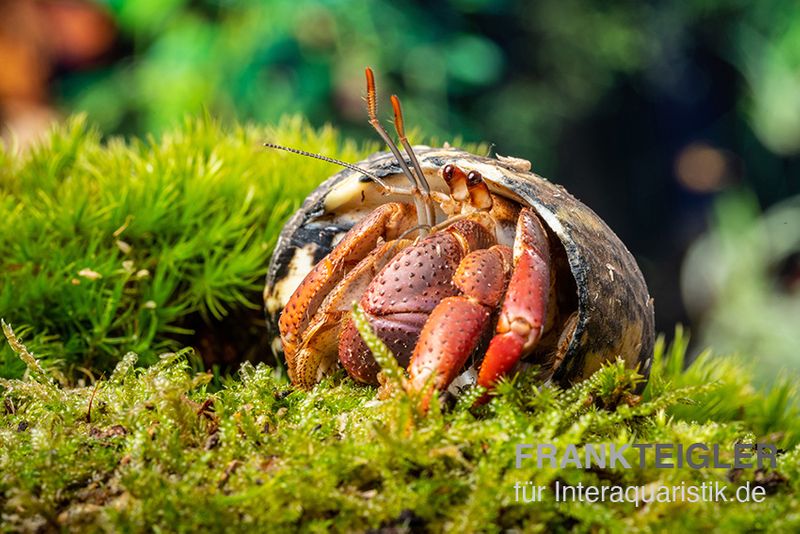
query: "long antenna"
421, 200
335, 161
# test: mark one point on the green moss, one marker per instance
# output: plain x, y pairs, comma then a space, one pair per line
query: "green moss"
151, 245
159, 450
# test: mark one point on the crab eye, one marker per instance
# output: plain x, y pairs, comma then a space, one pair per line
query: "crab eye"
447, 172
474, 178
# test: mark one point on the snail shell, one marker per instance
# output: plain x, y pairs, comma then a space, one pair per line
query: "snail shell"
614, 309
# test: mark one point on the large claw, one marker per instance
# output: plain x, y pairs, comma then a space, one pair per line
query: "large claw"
403, 295
525, 306
457, 324
385, 223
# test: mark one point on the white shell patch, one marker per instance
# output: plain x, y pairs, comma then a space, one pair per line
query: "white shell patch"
300, 265
518, 164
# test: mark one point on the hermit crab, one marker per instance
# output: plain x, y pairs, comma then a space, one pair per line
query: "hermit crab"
458, 261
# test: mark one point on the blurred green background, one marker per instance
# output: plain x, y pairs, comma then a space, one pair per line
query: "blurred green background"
672, 120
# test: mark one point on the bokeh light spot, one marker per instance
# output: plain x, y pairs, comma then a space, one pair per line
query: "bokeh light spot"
702, 168
474, 59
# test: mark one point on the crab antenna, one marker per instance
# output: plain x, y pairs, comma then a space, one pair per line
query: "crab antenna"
377, 179
401, 133
422, 201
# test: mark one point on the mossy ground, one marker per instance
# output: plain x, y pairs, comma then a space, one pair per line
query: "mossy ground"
154, 443
154, 448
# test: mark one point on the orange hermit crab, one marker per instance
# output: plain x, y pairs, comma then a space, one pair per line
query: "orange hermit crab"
453, 257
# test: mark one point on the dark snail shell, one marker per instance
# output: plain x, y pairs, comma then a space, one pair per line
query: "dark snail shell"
614, 309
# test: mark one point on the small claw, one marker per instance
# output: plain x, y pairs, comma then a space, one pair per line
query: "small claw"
524, 309
483, 274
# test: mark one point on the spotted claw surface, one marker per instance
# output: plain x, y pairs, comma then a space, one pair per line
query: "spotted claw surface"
457, 324
385, 223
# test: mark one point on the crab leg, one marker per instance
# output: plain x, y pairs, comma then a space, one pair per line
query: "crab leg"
524, 310
386, 222
317, 351
457, 324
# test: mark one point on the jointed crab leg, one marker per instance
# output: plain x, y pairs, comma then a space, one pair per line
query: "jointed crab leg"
318, 349
385, 223
525, 305
456, 325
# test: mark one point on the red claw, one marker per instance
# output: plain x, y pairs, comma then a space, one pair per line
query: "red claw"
524, 308
456, 325
448, 338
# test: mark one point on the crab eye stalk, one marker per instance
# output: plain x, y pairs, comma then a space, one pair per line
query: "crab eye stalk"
479, 196
456, 180
448, 171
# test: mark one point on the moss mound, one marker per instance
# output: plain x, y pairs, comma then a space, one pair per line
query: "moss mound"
151, 245
115, 255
